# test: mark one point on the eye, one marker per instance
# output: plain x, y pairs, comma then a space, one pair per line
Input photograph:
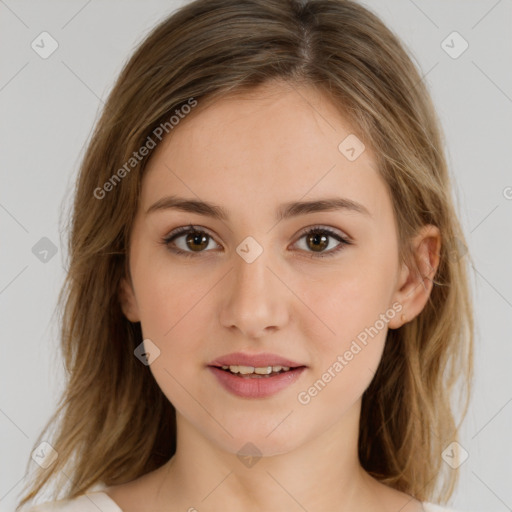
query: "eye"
197, 240
317, 238
194, 238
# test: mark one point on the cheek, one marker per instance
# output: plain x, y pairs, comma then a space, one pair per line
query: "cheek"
347, 300
348, 323
173, 316
344, 362
171, 304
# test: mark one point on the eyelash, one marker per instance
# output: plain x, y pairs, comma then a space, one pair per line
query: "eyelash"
315, 229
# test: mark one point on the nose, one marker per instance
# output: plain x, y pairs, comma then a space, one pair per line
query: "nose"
256, 298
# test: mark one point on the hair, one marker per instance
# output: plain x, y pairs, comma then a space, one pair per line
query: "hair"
113, 423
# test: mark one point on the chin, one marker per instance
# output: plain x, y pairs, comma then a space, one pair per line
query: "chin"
258, 447
259, 439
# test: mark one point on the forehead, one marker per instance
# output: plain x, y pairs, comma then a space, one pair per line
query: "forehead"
275, 143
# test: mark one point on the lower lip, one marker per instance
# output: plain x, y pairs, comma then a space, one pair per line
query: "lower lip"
256, 387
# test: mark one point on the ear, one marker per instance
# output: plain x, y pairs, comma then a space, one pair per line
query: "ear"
415, 284
127, 300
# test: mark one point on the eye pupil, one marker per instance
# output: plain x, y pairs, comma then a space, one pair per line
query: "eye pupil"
197, 238
317, 238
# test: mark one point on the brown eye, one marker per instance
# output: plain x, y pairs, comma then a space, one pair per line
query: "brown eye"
197, 240
188, 241
317, 241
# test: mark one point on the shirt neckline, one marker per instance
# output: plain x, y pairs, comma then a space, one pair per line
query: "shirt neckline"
107, 499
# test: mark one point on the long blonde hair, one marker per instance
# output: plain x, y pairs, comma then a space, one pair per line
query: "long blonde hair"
113, 423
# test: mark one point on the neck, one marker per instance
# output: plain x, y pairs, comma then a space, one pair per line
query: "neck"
312, 476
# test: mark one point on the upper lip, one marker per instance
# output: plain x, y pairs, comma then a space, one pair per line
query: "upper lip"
256, 360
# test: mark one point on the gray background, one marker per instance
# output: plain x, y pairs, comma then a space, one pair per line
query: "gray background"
47, 111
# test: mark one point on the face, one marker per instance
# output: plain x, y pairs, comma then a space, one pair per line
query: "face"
319, 287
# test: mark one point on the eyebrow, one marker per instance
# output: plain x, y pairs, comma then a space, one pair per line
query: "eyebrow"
285, 211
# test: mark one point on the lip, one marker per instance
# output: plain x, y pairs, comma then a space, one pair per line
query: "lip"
256, 360
255, 387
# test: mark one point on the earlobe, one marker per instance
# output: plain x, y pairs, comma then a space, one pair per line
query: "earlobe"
417, 279
127, 300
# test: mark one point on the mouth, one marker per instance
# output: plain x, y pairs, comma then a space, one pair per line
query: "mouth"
252, 376
259, 372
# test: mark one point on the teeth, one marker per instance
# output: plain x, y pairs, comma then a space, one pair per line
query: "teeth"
263, 371
246, 370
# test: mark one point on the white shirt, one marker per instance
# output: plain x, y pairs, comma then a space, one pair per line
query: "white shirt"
94, 501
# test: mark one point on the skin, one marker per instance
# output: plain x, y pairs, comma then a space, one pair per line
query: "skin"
249, 154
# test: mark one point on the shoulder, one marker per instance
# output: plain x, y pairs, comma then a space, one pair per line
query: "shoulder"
431, 507
88, 502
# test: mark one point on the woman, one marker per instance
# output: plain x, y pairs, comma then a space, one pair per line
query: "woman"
265, 307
